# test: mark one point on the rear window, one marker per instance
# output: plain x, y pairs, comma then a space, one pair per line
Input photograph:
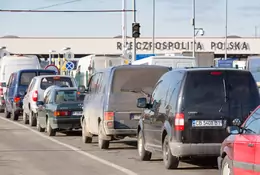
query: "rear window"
47, 73
202, 86
58, 81
62, 96
136, 78
242, 88
26, 77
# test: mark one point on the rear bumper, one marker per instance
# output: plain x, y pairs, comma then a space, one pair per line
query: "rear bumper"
121, 132
201, 149
66, 123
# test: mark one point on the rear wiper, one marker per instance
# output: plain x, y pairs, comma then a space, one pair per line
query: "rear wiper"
225, 98
136, 91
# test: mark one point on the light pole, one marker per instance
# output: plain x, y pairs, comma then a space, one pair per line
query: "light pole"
134, 46
124, 28
226, 30
153, 42
194, 26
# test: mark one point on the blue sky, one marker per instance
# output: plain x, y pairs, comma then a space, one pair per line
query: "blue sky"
173, 18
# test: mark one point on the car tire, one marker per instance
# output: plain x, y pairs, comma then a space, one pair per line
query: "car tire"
39, 128
143, 154
14, 115
25, 118
226, 167
170, 161
7, 114
32, 119
102, 144
85, 139
50, 131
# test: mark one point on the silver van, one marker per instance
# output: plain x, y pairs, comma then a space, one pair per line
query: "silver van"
109, 109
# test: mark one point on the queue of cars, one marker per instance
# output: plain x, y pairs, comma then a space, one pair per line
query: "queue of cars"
180, 113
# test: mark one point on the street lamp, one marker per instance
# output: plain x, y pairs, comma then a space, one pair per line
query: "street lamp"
153, 26
226, 30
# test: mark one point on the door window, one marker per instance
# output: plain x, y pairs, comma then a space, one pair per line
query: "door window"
93, 85
252, 125
47, 97
31, 85
158, 95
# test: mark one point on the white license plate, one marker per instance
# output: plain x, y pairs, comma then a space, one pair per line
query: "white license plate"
77, 113
135, 116
206, 123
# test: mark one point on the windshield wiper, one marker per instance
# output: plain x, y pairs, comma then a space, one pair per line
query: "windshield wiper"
136, 91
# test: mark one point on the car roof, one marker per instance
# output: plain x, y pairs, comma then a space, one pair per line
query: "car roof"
36, 70
46, 76
192, 69
131, 66
64, 88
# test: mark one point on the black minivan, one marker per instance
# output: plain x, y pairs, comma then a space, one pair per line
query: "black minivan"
16, 89
190, 109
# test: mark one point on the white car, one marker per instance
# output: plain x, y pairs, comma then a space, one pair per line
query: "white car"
35, 92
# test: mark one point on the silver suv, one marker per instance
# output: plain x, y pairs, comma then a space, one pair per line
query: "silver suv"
35, 92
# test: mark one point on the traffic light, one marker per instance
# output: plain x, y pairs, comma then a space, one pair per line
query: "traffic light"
135, 30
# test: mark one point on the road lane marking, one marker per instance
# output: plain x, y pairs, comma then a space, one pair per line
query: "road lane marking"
98, 159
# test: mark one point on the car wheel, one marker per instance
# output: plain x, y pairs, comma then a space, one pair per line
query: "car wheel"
170, 161
103, 144
143, 154
14, 115
50, 131
32, 119
85, 139
39, 128
226, 168
7, 114
25, 118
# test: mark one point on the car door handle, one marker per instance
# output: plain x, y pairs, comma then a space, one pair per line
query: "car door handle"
251, 145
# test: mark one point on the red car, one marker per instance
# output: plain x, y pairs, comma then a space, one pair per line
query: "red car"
240, 152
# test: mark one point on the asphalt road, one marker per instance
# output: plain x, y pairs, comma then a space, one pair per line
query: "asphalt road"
25, 151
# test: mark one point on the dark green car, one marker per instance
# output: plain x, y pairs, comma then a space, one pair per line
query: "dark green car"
61, 110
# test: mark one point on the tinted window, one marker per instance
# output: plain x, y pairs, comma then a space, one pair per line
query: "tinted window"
94, 83
62, 96
158, 96
242, 88
58, 81
136, 78
26, 77
47, 73
252, 125
204, 88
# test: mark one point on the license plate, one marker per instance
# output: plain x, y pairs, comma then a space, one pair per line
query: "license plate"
135, 116
77, 113
206, 123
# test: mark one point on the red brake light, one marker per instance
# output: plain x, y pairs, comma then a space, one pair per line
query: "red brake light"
1, 91
56, 78
179, 122
35, 96
216, 73
17, 99
61, 113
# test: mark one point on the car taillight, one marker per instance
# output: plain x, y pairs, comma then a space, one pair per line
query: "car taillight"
61, 113
179, 122
17, 99
1, 91
216, 73
35, 96
109, 119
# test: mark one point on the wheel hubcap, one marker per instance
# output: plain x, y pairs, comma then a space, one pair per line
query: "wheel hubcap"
166, 151
226, 170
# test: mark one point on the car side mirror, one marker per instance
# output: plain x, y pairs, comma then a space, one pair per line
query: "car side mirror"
141, 103
236, 122
82, 89
233, 130
39, 103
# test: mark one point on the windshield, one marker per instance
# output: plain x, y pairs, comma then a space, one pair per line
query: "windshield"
58, 81
62, 96
254, 65
9, 69
136, 78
